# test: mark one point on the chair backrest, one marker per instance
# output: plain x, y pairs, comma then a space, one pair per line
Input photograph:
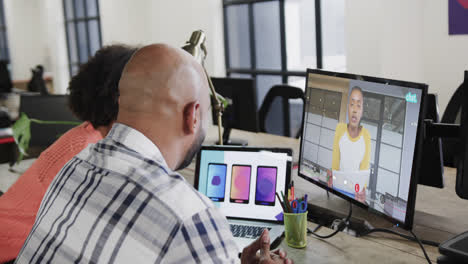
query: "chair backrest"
48, 108
279, 115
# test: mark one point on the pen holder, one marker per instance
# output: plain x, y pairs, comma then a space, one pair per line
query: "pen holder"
295, 229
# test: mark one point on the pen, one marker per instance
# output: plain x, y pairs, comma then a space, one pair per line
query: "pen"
281, 203
286, 204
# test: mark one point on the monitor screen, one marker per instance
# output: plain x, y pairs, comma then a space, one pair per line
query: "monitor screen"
47, 108
242, 181
360, 140
241, 113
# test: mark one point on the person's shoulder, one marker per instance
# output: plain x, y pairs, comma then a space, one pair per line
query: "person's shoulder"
183, 199
341, 129
341, 126
365, 132
169, 191
75, 140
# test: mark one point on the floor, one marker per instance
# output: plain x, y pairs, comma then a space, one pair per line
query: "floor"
9, 175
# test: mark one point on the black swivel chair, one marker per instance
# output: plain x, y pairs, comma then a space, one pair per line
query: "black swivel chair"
278, 116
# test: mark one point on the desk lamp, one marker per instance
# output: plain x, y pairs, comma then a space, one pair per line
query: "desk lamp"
196, 46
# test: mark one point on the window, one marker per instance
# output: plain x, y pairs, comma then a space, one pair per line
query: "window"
4, 52
386, 123
321, 117
83, 30
275, 41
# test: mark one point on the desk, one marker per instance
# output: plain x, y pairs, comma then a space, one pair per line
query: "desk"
439, 215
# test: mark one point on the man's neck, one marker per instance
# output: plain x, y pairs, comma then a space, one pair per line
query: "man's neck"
354, 131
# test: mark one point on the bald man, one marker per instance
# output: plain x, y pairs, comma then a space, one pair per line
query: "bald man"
120, 201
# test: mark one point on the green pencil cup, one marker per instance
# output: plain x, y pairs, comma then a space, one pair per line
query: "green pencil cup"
295, 229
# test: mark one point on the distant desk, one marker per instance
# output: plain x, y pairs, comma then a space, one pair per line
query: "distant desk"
7, 148
439, 215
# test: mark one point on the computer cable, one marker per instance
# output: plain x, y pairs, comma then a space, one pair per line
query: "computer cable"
414, 238
385, 230
315, 229
422, 247
341, 226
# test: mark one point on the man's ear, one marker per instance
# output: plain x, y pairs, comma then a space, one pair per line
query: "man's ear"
192, 117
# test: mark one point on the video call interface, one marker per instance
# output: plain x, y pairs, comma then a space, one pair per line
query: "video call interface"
244, 183
359, 139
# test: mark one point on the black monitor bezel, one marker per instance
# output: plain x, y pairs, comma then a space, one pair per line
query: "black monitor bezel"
461, 185
288, 151
242, 123
408, 223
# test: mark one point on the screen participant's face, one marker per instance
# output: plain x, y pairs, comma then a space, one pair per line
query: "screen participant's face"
355, 108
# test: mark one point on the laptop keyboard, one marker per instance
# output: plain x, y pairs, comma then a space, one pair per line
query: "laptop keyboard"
247, 231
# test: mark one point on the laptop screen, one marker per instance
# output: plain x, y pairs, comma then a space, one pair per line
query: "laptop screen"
242, 182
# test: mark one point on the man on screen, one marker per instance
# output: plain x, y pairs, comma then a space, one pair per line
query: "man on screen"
352, 144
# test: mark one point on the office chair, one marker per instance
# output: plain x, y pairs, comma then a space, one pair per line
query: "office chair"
276, 105
49, 108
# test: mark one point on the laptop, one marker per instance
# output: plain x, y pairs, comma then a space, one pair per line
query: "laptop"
242, 182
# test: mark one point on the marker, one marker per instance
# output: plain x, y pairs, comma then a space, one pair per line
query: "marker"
292, 191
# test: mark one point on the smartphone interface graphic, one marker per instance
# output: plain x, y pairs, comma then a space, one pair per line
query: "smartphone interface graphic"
216, 183
240, 183
266, 185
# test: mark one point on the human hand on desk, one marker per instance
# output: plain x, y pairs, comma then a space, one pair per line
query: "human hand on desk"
249, 254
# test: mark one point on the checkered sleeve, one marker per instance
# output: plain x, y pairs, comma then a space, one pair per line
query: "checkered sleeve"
203, 238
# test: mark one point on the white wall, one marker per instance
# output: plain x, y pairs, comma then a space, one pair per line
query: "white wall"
36, 35
397, 39
124, 21
26, 42
445, 57
406, 40
55, 51
171, 22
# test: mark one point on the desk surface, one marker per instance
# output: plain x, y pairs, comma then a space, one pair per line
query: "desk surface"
439, 215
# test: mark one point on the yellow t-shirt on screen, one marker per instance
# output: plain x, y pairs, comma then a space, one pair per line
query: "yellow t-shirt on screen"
351, 154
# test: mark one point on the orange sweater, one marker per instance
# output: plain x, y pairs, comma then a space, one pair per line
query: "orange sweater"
19, 205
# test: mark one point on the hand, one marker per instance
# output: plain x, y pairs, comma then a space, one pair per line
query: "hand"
330, 178
361, 196
249, 254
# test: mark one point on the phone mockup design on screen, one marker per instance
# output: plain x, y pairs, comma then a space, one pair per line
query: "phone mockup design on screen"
240, 183
266, 185
216, 183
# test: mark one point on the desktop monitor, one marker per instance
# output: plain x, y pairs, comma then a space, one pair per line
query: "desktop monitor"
454, 131
5, 79
461, 150
432, 173
48, 108
241, 112
362, 139
452, 115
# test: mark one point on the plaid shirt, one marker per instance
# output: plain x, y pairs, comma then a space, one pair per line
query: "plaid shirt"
118, 202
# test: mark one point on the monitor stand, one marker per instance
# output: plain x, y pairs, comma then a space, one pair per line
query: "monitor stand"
232, 142
325, 217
